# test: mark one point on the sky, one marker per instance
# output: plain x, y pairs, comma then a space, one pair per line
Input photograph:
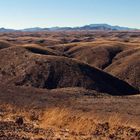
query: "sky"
19, 14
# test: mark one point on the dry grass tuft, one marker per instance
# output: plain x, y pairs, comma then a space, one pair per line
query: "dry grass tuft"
80, 122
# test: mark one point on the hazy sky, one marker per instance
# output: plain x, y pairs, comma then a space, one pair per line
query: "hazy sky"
47, 13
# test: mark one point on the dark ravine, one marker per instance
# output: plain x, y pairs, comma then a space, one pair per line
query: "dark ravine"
112, 55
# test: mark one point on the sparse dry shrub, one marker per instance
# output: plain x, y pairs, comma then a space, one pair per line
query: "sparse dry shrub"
68, 119
11, 112
79, 122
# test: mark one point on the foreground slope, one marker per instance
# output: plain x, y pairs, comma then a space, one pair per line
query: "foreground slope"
68, 113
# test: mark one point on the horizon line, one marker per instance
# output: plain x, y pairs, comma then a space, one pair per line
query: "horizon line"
67, 26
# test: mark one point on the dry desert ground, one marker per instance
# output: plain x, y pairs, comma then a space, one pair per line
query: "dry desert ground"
72, 85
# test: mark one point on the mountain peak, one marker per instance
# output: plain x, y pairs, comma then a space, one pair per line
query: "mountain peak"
102, 26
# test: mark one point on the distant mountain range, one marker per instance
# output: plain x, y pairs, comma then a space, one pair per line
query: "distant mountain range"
104, 27
6, 30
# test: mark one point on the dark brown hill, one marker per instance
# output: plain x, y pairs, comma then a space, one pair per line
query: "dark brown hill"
119, 59
126, 66
99, 54
26, 68
4, 44
34, 48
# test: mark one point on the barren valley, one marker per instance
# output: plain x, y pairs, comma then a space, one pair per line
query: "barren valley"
70, 85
